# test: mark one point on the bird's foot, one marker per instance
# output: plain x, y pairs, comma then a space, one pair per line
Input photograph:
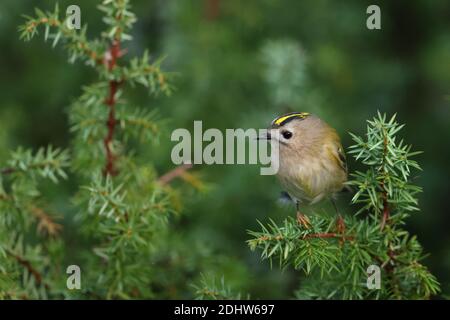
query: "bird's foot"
340, 225
303, 220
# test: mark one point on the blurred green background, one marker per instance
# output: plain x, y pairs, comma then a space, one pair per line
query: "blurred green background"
239, 64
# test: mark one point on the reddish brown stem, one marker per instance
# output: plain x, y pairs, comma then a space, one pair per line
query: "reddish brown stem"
6, 171
328, 235
386, 211
169, 176
111, 123
111, 61
27, 265
212, 9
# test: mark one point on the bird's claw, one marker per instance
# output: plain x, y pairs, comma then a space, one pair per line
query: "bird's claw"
303, 220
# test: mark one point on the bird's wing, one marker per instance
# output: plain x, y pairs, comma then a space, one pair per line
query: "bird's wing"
342, 159
339, 156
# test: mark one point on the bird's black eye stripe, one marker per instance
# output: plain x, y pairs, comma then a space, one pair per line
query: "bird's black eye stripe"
287, 134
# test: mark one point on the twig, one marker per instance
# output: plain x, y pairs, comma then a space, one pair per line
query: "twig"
111, 61
212, 9
6, 171
386, 210
178, 171
328, 235
384, 220
46, 223
27, 264
322, 235
68, 33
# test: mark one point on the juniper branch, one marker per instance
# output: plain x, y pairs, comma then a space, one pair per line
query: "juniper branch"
178, 171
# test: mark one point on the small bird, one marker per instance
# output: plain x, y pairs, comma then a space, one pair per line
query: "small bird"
312, 165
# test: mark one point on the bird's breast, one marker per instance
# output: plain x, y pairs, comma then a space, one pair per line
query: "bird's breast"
310, 179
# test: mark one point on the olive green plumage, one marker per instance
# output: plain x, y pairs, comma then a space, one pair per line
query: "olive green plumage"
312, 164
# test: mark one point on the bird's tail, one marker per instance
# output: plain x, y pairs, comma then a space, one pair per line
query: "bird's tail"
285, 199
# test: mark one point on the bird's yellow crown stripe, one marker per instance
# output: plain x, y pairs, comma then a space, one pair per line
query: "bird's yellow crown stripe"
282, 119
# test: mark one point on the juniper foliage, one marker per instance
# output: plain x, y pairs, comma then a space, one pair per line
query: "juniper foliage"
24, 216
123, 205
335, 260
209, 289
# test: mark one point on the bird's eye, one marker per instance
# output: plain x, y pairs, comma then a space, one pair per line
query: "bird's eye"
287, 134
